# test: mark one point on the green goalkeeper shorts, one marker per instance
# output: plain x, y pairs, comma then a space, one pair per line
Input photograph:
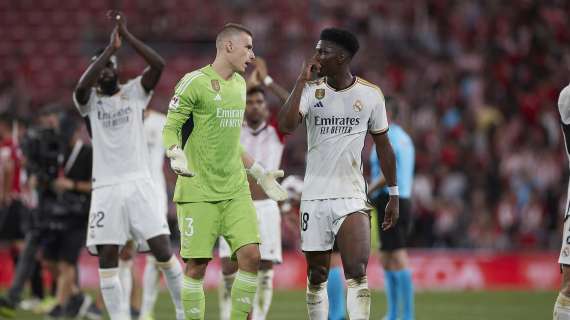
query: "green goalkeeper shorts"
201, 224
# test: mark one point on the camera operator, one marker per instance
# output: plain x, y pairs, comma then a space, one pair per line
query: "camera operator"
60, 164
64, 201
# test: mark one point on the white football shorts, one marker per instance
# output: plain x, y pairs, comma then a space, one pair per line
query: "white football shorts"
320, 220
125, 211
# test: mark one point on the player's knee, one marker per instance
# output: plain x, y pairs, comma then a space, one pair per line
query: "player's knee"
565, 289
196, 268
108, 257
228, 266
65, 267
318, 274
355, 271
249, 258
160, 248
163, 256
265, 265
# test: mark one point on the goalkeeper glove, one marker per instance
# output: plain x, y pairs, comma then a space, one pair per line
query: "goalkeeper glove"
266, 179
178, 161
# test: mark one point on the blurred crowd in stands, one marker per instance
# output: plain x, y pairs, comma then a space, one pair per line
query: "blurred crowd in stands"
479, 81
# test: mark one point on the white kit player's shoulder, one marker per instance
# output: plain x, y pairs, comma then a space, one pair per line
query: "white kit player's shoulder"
316, 82
370, 85
133, 89
564, 105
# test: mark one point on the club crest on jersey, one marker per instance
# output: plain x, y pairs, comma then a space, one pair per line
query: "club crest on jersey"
357, 106
320, 93
216, 85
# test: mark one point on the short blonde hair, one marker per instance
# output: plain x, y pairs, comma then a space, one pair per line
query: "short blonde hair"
230, 29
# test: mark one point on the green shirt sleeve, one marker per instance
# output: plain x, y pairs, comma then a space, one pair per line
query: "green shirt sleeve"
180, 108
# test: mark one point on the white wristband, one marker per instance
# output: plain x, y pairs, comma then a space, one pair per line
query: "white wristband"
393, 191
267, 81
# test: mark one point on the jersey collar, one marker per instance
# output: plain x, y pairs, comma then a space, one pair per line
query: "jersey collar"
209, 70
354, 81
257, 131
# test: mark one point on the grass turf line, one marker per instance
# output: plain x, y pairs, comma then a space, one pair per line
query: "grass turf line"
481, 305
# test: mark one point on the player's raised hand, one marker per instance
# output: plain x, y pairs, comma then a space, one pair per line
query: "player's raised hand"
119, 18
253, 79
178, 161
392, 213
115, 41
309, 66
261, 67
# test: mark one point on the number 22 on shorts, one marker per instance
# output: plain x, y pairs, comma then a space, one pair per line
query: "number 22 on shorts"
189, 227
96, 219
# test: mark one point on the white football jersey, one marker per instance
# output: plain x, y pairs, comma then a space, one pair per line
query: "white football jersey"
153, 125
263, 144
337, 123
120, 152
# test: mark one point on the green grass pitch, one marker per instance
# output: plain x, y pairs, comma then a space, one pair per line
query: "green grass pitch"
503, 305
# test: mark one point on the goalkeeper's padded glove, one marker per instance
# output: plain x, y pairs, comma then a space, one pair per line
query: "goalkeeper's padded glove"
266, 179
178, 161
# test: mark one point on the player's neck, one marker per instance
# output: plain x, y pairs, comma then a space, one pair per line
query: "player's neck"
108, 90
223, 68
254, 125
340, 81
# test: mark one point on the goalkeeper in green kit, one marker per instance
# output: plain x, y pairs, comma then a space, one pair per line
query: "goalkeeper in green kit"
212, 195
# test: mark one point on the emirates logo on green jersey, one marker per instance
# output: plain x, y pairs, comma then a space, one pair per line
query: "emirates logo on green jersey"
230, 118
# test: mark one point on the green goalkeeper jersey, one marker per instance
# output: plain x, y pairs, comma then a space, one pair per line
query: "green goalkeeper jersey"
205, 117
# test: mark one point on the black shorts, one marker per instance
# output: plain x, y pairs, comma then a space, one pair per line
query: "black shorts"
63, 245
395, 237
12, 220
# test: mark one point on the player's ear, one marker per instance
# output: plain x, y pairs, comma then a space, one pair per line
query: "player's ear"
229, 46
341, 58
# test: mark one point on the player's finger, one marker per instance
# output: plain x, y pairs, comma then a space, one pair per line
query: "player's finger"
387, 224
185, 173
278, 173
111, 14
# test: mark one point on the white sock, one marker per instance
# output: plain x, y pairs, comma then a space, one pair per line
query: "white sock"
225, 295
112, 293
262, 300
317, 301
173, 275
562, 308
151, 286
126, 277
358, 299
